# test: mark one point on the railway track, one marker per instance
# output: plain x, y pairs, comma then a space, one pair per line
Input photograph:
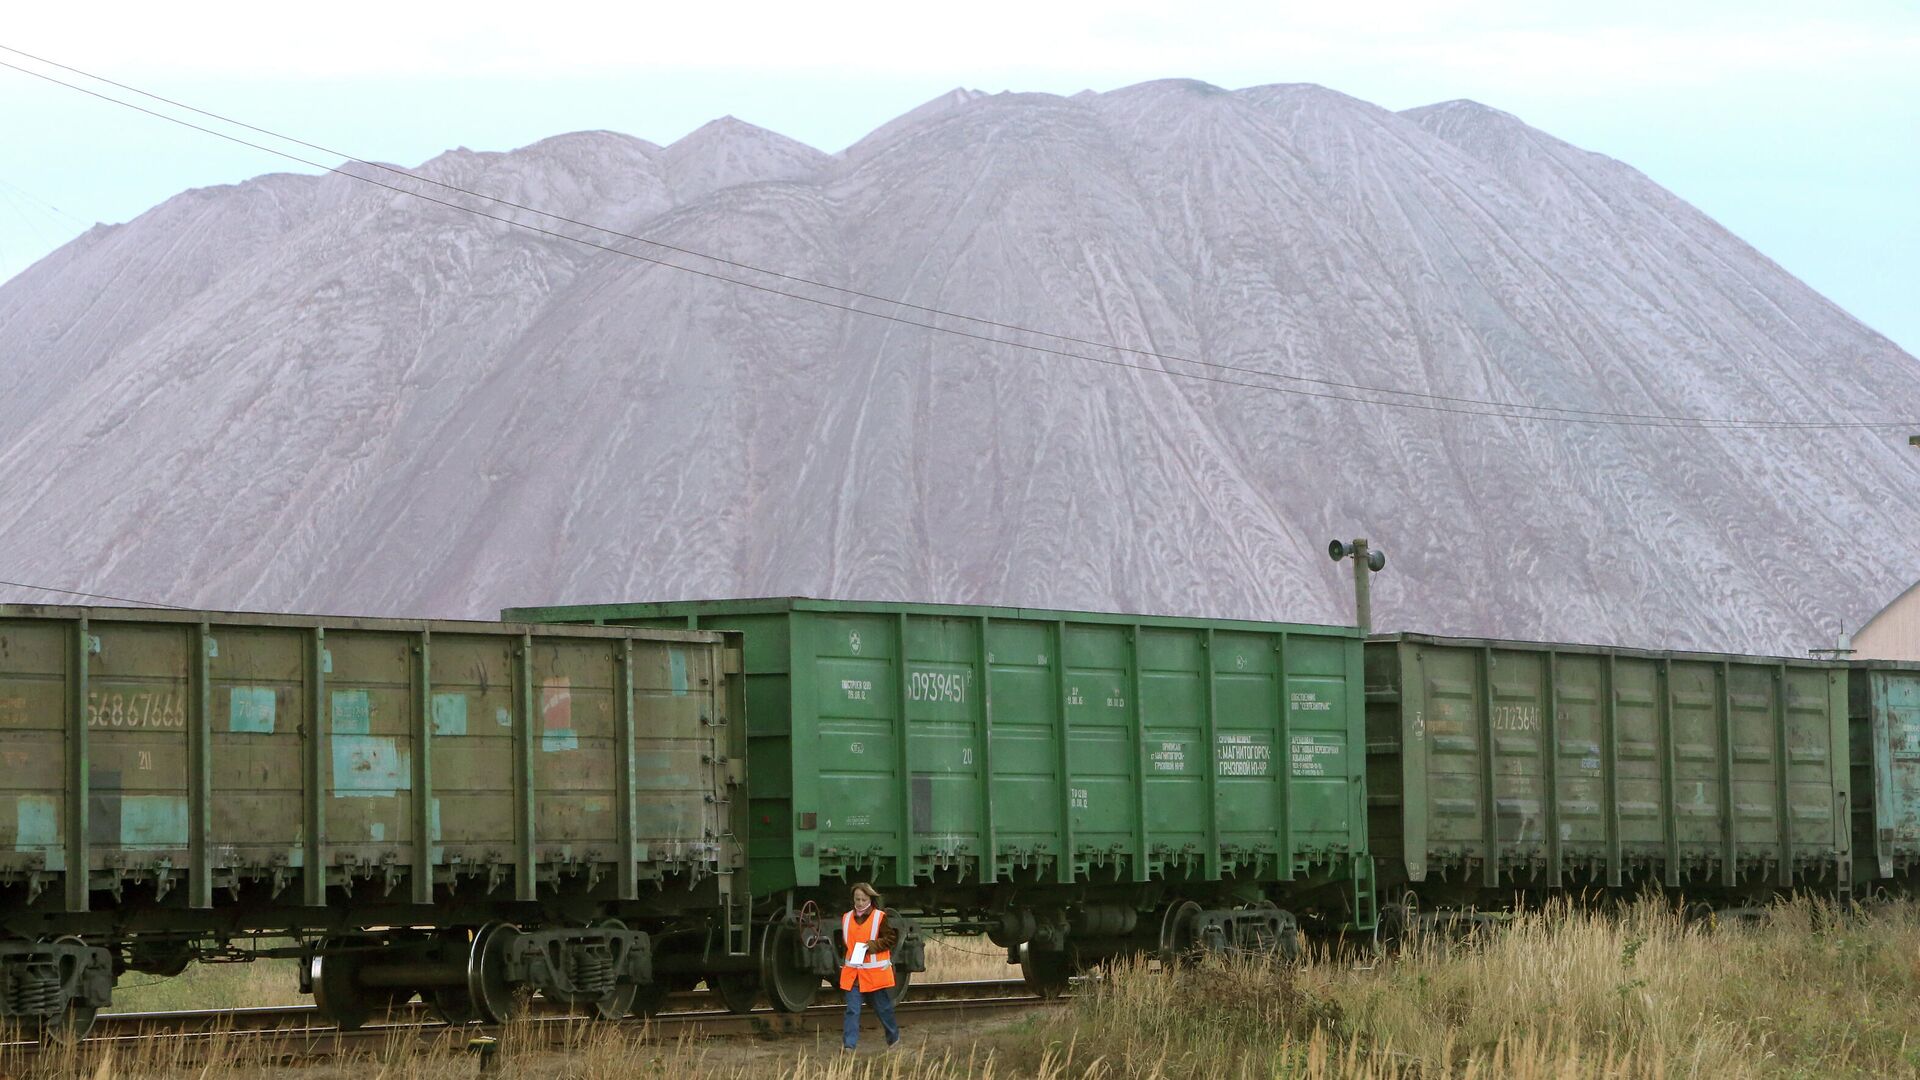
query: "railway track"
290, 1034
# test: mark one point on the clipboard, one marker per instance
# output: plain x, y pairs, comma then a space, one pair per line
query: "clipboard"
859, 955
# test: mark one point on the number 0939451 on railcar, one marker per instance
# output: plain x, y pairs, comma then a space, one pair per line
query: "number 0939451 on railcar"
1074, 786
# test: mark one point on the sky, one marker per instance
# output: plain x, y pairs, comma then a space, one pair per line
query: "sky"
1795, 125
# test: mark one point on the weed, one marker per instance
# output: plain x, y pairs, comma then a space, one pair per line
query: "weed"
1807, 991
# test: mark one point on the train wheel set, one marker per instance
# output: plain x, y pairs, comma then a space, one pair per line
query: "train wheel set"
487, 975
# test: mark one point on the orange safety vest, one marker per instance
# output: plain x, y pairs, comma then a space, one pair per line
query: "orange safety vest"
876, 971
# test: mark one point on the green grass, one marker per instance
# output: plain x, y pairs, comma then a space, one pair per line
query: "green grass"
212, 986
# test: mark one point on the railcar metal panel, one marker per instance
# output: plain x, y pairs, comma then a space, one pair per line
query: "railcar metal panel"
182, 756
1884, 702
1517, 766
924, 743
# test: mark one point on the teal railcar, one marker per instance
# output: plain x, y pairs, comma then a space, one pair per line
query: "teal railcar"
1884, 710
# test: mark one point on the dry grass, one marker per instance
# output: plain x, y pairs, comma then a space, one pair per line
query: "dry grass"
596, 1052
965, 959
1556, 994
1553, 994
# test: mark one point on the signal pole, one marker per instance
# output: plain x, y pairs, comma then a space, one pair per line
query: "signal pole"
1366, 563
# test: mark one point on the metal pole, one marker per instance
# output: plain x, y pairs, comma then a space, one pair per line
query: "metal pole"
1362, 588
1366, 563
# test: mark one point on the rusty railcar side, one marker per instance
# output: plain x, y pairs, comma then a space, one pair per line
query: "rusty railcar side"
1502, 769
173, 779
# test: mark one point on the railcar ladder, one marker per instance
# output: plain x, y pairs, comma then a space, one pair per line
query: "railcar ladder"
1366, 908
738, 915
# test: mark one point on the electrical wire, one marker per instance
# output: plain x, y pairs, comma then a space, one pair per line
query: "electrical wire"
30, 196
1491, 407
844, 290
93, 595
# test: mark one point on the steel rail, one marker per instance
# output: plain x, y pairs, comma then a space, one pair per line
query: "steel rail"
275, 1017
284, 1033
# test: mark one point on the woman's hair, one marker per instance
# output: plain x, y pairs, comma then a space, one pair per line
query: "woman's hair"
861, 886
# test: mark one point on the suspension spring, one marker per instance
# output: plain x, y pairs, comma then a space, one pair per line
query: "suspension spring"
36, 990
592, 970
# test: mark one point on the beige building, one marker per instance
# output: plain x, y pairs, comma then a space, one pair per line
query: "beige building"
1894, 634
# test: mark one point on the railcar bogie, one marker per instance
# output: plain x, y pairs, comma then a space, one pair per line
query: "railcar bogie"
487, 974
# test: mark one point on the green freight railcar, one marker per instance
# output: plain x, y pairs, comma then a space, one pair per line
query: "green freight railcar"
1500, 770
452, 809
1074, 785
1884, 707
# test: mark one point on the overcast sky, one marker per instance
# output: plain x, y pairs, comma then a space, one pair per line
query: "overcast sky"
1796, 125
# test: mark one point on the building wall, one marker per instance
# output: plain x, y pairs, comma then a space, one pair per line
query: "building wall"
1894, 634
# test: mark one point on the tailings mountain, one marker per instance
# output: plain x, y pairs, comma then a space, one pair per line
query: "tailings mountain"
311, 393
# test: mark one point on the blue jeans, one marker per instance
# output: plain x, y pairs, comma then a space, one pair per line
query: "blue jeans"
882, 1006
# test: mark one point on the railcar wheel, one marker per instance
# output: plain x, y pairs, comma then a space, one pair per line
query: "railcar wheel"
649, 999
1290, 949
452, 1005
337, 994
1047, 971
1176, 932
495, 998
79, 1020
738, 989
902, 981
70, 1026
617, 1003
790, 986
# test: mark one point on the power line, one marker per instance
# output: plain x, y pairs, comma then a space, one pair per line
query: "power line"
94, 595
1260, 372
24, 193
24, 219
1576, 416
844, 290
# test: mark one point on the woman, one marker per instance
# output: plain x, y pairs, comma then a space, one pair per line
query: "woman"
867, 938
